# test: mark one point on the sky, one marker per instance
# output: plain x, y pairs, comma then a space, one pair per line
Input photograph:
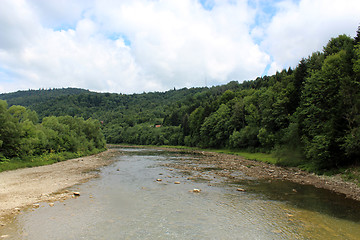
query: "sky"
135, 46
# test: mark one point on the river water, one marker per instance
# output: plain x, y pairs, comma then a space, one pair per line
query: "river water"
127, 202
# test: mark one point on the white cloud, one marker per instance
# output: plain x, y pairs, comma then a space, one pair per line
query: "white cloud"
297, 30
181, 43
60, 13
173, 43
18, 25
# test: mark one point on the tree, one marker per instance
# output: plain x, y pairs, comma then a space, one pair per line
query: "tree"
321, 114
216, 128
357, 37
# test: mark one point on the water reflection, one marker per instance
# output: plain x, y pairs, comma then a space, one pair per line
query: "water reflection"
306, 197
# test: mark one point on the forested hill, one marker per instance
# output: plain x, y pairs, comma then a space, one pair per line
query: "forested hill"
30, 97
102, 106
308, 115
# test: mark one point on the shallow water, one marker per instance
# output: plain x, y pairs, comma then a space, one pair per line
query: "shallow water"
126, 202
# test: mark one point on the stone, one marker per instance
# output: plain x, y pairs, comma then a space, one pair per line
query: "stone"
159, 180
51, 204
36, 205
196, 190
240, 190
76, 194
176, 182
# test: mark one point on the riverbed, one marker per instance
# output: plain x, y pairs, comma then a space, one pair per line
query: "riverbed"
140, 197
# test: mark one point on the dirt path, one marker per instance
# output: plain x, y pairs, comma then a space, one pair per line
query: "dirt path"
23, 187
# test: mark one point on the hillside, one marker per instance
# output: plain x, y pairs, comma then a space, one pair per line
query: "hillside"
308, 115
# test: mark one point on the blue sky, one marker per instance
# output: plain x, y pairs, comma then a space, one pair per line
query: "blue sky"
132, 46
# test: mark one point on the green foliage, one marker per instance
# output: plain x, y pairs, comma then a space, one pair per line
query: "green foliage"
22, 137
216, 128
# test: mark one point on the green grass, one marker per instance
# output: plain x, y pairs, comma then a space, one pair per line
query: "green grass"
45, 159
261, 157
351, 174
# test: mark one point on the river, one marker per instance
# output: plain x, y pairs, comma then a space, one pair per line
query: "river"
128, 201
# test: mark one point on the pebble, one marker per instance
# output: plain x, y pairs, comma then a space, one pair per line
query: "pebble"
76, 194
240, 190
36, 205
159, 180
196, 190
176, 182
51, 204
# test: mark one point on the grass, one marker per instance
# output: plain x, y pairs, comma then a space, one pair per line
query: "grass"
351, 174
261, 157
45, 159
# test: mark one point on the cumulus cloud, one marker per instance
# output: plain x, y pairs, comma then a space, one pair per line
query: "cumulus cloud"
181, 43
300, 28
144, 45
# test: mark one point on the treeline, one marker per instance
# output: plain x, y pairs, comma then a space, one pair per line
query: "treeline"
22, 136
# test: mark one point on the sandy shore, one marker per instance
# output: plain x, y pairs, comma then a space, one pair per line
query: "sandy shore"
23, 187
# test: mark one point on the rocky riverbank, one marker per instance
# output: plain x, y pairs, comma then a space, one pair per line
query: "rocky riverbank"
228, 166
